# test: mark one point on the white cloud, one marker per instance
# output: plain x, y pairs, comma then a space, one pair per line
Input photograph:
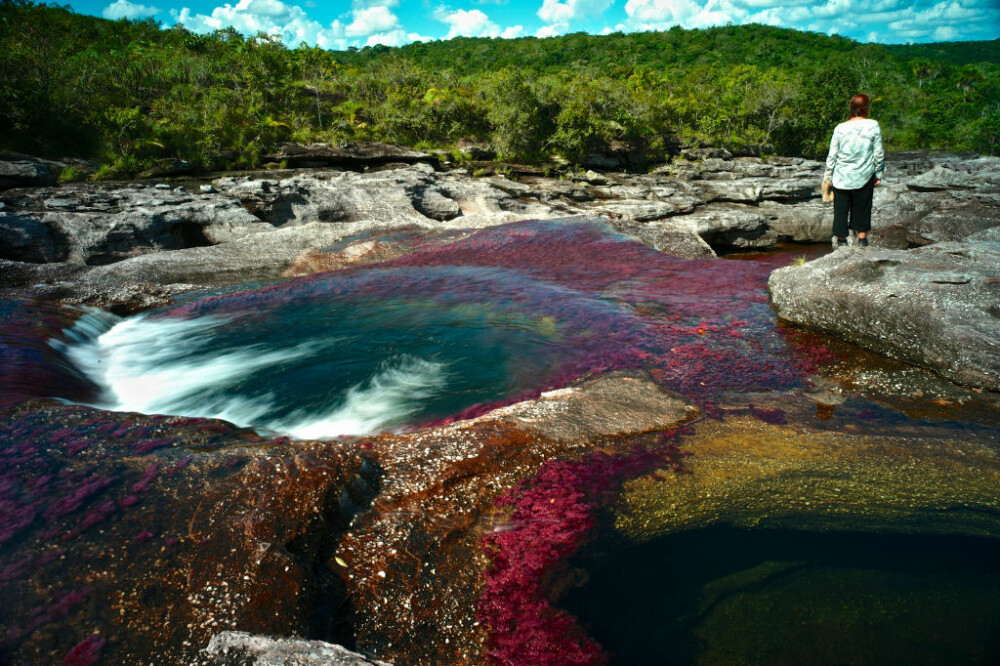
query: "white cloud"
124, 9
945, 33
364, 4
555, 12
662, 14
892, 20
467, 23
513, 32
396, 38
550, 31
371, 20
273, 17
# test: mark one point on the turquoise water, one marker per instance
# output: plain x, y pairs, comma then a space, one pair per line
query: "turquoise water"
324, 367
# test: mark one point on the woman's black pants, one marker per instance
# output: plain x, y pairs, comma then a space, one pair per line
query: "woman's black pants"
853, 205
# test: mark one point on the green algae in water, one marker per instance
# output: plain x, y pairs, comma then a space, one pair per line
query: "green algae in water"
727, 596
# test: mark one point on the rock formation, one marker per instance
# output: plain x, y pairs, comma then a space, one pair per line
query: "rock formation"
133, 537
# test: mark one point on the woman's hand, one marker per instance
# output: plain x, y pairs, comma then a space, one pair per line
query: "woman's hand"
878, 181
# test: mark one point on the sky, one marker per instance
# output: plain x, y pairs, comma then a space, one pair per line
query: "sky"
340, 24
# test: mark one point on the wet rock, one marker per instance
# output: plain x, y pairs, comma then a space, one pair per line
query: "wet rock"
236, 648
935, 306
747, 473
415, 582
613, 405
361, 252
160, 532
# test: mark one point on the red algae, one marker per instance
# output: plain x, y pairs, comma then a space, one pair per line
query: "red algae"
86, 653
552, 514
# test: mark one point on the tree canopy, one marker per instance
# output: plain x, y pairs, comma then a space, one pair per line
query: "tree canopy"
128, 93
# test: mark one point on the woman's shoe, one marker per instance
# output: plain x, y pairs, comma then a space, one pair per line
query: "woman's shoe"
863, 242
841, 242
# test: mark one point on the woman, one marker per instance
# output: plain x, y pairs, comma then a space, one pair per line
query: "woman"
855, 166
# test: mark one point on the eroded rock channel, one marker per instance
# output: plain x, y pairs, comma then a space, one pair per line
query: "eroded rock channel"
442, 419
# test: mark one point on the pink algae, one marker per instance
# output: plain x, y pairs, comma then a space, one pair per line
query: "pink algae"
552, 514
86, 653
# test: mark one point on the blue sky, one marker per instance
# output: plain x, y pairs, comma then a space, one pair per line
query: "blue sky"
344, 23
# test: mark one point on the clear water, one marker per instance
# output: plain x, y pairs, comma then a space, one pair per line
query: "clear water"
730, 596
323, 367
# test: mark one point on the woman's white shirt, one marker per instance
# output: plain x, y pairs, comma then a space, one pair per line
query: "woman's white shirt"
855, 154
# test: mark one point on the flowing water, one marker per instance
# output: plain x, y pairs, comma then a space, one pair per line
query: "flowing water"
454, 329
501, 315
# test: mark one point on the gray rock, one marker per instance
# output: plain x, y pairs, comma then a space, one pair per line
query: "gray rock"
433, 203
475, 151
732, 225
615, 404
237, 648
638, 210
694, 154
804, 222
252, 257
980, 175
18, 170
593, 178
756, 189
162, 186
98, 224
937, 306
206, 189
357, 154
28, 240
676, 236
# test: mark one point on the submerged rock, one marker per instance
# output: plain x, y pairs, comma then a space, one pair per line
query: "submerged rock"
851, 477
237, 648
936, 306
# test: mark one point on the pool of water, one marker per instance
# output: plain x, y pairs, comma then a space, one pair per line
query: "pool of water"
730, 596
487, 319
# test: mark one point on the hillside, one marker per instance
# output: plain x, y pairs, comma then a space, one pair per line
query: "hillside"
958, 53
130, 94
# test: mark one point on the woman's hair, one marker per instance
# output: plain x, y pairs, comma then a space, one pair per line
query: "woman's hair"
859, 105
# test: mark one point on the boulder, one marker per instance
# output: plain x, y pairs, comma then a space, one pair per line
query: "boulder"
979, 175
636, 210
26, 239
804, 222
676, 236
936, 306
17, 170
238, 648
732, 225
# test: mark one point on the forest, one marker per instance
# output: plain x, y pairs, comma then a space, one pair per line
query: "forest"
130, 93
